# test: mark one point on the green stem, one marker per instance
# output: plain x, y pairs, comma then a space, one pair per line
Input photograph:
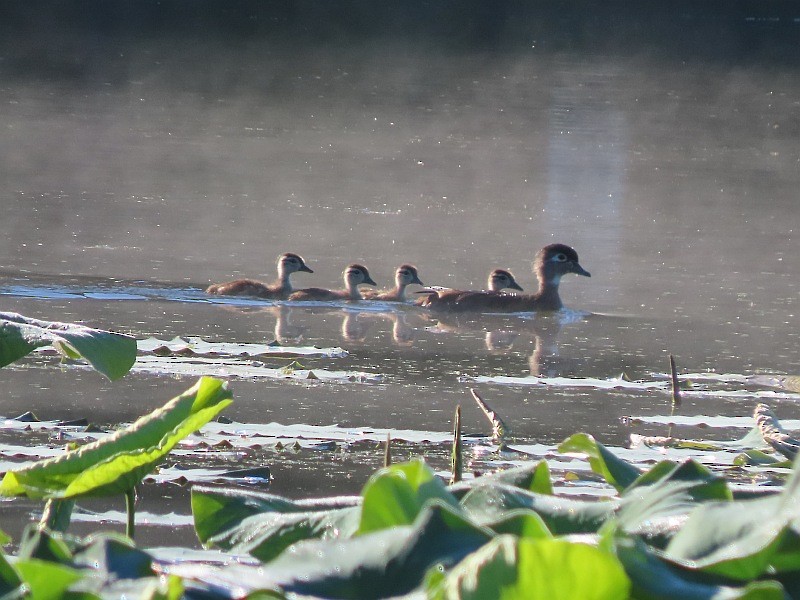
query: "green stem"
130, 507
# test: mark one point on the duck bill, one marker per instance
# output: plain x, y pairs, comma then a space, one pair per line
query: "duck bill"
368, 281
515, 286
417, 281
305, 269
579, 270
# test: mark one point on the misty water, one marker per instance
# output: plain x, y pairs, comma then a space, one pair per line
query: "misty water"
125, 194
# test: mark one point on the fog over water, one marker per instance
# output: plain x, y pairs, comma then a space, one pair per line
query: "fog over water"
169, 147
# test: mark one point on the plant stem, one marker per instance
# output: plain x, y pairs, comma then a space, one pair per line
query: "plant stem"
387, 451
676, 390
130, 507
457, 460
56, 515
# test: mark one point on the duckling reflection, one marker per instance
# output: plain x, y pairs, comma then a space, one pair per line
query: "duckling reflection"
500, 341
280, 289
286, 330
356, 324
504, 335
353, 275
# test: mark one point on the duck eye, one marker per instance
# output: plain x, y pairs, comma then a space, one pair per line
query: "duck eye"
560, 257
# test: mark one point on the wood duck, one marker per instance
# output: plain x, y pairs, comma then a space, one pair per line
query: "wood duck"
550, 264
354, 275
499, 280
404, 275
280, 289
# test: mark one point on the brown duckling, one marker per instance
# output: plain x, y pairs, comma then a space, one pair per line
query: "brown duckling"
404, 275
280, 289
354, 275
499, 280
551, 263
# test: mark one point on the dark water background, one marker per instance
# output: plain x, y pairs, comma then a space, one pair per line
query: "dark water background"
171, 145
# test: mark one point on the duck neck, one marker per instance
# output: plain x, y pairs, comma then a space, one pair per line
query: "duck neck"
283, 281
547, 297
399, 290
352, 291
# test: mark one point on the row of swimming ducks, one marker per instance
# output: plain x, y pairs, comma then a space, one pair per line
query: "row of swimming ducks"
549, 265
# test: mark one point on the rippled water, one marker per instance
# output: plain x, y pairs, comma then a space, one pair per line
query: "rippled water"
675, 181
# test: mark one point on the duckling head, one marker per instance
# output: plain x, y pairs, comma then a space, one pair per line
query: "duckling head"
500, 279
356, 275
555, 260
406, 275
291, 263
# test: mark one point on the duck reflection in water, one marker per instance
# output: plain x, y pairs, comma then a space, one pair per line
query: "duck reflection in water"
356, 324
287, 331
504, 335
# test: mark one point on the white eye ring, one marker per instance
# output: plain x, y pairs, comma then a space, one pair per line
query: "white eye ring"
560, 257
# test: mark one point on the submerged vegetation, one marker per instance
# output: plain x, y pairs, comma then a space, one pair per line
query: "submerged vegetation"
665, 529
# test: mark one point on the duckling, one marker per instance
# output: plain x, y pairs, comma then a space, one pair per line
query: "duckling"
354, 275
499, 280
403, 276
551, 263
288, 263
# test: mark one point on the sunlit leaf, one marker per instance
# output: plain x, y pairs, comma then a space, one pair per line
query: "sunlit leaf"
521, 523
395, 495
220, 510
508, 568
118, 462
490, 503
112, 354
263, 525
614, 470
534, 477
46, 580
9, 578
704, 484
653, 579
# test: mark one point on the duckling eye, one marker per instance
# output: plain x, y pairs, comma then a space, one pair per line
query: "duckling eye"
560, 257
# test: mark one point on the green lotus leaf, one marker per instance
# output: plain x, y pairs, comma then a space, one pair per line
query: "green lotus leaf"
115, 464
111, 354
508, 568
395, 495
